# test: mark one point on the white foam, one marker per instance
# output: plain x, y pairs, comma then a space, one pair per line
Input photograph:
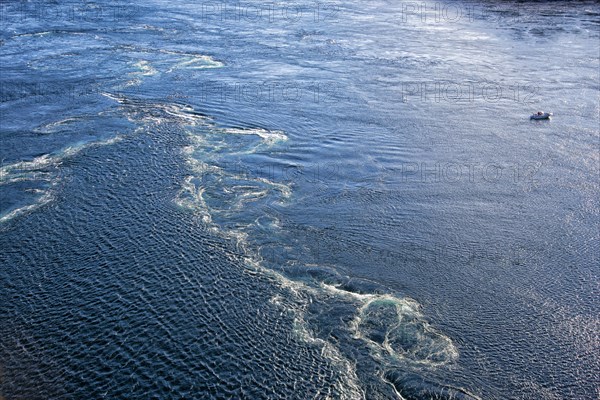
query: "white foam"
350, 389
433, 348
345, 293
145, 68
44, 199
145, 112
202, 156
190, 197
52, 126
267, 135
30, 171
196, 62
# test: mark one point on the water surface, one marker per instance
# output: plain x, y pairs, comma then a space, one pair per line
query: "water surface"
211, 200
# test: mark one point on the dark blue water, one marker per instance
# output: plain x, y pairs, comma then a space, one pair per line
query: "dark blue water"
308, 200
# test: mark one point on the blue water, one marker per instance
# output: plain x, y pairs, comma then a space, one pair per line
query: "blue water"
291, 201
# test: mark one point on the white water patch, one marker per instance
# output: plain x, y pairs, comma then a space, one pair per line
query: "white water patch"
219, 141
398, 333
270, 137
29, 169
218, 195
157, 112
182, 112
407, 339
57, 125
203, 154
190, 197
45, 198
232, 204
396, 330
335, 290
145, 68
147, 62
195, 62
167, 61
36, 34
42, 169
351, 389
232, 190
206, 182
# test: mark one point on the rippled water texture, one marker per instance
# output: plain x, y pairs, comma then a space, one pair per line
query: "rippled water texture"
299, 201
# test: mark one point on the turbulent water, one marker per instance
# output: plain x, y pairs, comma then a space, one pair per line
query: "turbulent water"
299, 200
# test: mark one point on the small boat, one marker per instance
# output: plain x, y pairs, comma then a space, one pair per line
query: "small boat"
541, 115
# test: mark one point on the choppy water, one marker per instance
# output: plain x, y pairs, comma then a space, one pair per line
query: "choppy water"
307, 200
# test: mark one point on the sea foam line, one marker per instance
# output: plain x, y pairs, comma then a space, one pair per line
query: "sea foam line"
301, 292
30, 171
